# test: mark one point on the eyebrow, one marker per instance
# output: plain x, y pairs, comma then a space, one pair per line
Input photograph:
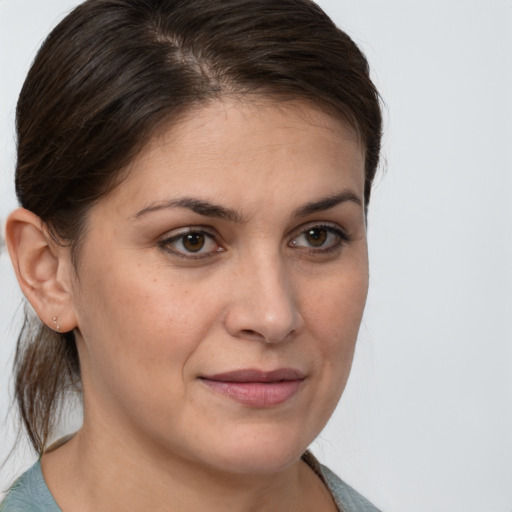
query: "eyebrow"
328, 202
208, 209
199, 206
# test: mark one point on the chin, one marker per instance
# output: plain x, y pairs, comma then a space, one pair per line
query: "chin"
258, 462
259, 452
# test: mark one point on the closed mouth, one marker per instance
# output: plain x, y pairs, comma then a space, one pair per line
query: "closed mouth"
253, 375
256, 388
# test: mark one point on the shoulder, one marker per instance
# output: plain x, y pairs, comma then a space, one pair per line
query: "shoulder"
345, 497
29, 494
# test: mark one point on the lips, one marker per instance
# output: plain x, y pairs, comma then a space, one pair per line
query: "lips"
257, 388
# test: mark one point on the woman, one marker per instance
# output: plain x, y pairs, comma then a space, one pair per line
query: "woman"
194, 178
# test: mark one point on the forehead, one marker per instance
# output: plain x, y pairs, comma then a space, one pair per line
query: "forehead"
236, 118
252, 148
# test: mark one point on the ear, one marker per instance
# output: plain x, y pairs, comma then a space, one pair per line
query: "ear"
43, 268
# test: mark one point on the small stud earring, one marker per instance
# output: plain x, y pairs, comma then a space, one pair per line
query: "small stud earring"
57, 326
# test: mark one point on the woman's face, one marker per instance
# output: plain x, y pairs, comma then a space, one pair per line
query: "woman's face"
221, 287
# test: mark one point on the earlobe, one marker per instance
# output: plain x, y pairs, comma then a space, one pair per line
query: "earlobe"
41, 267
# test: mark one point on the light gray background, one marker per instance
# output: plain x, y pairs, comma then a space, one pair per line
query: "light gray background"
425, 424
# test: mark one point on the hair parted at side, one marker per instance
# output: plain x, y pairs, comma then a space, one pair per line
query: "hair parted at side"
113, 72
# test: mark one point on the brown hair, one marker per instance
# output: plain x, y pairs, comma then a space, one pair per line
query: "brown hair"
110, 74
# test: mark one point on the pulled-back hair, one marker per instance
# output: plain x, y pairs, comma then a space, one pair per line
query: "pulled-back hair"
113, 72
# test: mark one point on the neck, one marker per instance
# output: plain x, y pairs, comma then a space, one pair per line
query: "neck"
92, 472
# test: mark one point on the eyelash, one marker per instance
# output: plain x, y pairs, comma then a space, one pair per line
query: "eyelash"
342, 239
167, 243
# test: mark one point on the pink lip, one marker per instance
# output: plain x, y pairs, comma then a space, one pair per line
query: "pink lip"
257, 388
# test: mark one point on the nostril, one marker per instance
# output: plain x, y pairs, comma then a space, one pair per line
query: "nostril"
271, 319
249, 333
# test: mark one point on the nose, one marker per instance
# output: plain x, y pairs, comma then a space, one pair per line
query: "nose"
264, 303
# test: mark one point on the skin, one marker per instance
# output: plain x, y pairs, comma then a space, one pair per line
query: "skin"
152, 319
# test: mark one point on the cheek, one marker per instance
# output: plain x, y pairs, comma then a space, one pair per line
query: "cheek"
334, 316
126, 302
335, 311
137, 328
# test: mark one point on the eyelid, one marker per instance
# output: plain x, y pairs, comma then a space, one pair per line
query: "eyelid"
165, 243
332, 228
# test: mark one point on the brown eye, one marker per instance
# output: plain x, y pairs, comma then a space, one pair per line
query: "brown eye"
193, 242
316, 237
320, 238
